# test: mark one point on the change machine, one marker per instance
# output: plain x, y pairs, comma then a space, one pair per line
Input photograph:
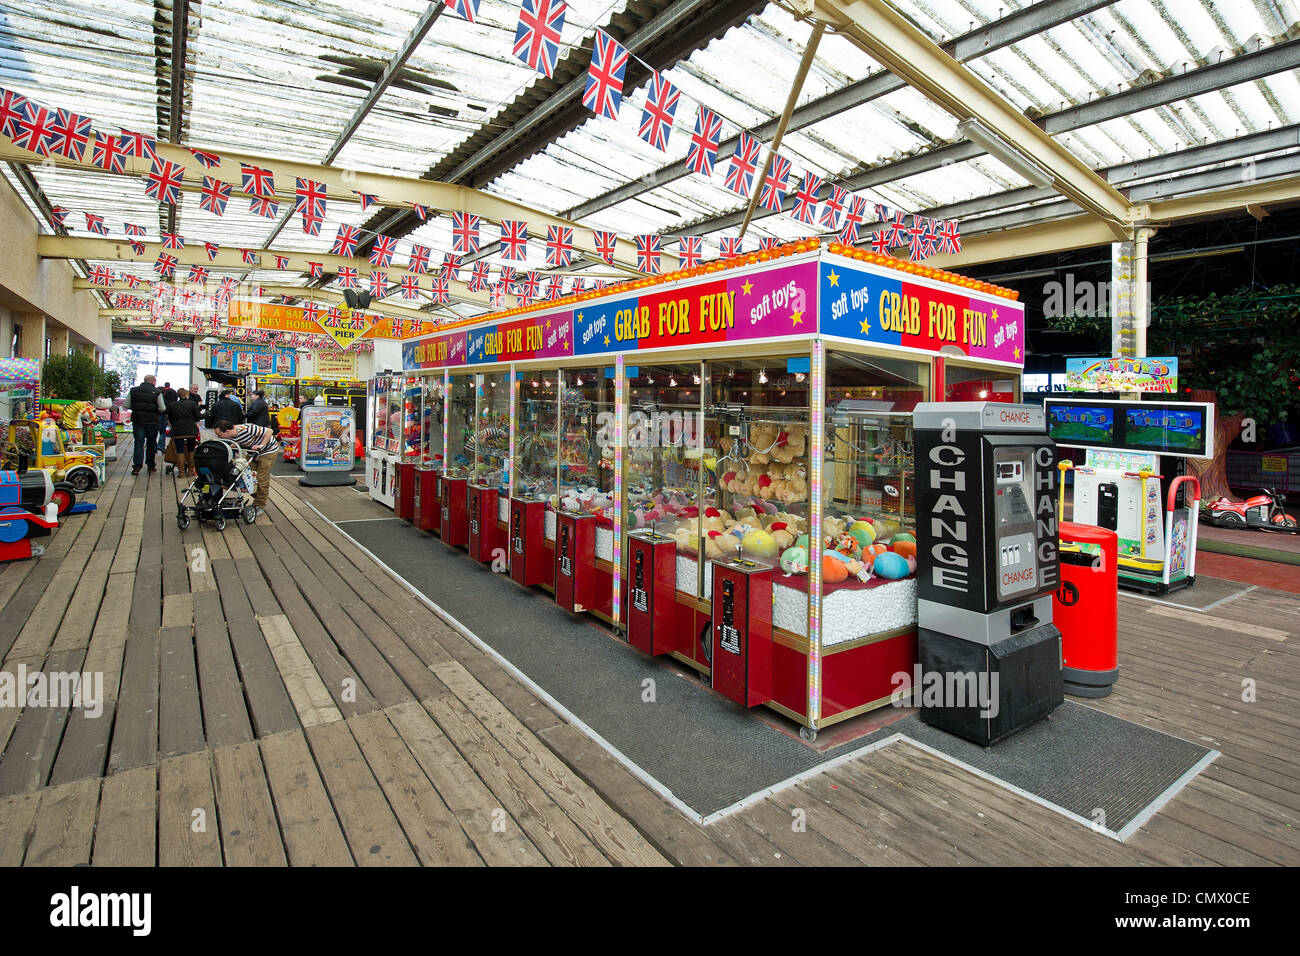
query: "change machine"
987, 541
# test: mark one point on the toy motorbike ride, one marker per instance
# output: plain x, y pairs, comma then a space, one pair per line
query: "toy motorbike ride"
1262, 512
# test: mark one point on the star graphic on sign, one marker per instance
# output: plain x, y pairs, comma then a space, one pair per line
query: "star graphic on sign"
866, 327
834, 277
607, 340
579, 316
796, 318
1017, 351
747, 286
994, 316
548, 323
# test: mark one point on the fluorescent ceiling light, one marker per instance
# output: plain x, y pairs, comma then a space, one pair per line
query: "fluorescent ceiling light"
995, 146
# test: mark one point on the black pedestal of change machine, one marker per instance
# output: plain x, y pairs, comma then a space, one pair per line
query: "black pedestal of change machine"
986, 534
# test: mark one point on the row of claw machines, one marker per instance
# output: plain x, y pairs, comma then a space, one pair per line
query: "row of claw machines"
718, 463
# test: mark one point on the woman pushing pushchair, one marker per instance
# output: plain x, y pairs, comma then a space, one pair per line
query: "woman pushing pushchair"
184, 415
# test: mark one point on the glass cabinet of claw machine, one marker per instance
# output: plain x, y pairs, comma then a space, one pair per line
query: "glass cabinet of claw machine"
489, 485
536, 468
428, 475
460, 415
410, 445
384, 400
584, 536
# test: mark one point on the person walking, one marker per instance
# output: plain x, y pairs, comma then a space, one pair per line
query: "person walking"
260, 441
166, 396
143, 402
259, 412
184, 416
226, 409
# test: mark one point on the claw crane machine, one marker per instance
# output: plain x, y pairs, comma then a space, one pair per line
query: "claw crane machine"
384, 400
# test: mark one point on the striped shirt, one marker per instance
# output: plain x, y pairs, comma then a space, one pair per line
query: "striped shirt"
254, 438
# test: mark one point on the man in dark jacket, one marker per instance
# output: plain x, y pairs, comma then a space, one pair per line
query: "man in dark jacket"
166, 395
143, 402
225, 409
259, 413
184, 417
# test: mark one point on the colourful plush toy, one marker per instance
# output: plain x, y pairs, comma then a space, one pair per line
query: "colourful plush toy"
848, 545
834, 570
891, 566
780, 533
906, 548
794, 561
864, 531
760, 544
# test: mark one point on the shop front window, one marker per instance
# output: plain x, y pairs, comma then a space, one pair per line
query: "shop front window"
492, 431
535, 437
963, 384
460, 426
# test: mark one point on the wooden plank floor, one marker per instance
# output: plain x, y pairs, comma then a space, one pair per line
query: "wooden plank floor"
271, 696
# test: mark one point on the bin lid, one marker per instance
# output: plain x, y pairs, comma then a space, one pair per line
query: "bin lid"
1087, 534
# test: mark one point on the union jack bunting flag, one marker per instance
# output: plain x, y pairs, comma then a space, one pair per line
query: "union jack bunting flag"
132, 281
450, 266
257, 181
464, 8
531, 286
206, 160
198, 275
508, 275
212, 248
70, 134
34, 129
478, 277
108, 155
514, 239
732, 247
367, 200
315, 269
214, 196
648, 248
606, 243
880, 242
310, 312
95, 224
805, 198
13, 107
690, 249
554, 287
497, 295
441, 290
249, 256
950, 237
832, 206
766, 244
310, 201
658, 112
419, 259
345, 242
379, 284
775, 184
347, 277
227, 286
171, 240
422, 212
537, 37
381, 253
266, 208
740, 175
138, 145
101, 275
916, 238
604, 92
559, 246
333, 317
282, 262
464, 233
703, 151
165, 266
930, 239
410, 287
896, 230
163, 182
58, 215
853, 220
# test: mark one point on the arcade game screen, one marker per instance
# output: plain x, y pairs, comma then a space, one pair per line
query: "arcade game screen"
1166, 429
1081, 423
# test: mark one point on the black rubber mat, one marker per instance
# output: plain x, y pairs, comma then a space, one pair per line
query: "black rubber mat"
1110, 772
710, 753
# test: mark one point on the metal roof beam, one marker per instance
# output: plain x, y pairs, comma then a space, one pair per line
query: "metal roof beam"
883, 33
1012, 28
171, 78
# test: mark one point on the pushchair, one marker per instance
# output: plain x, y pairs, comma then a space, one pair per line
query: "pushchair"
223, 487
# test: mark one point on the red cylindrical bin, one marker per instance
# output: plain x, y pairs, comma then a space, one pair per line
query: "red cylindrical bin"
1086, 609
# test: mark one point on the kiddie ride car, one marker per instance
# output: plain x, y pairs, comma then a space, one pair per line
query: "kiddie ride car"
1263, 512
24, 496
80, 466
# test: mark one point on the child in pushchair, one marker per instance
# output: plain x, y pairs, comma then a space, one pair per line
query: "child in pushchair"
223, 487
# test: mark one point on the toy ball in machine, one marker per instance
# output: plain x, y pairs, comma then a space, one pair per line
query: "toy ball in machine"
891, 565
794, 560
759, 543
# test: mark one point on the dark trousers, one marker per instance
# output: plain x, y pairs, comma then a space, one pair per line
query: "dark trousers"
146, 443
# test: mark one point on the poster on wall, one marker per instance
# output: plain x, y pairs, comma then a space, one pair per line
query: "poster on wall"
1122, 374
336, 365
328, 438
254, 359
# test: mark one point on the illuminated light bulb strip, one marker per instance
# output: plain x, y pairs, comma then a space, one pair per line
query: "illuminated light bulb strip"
619, 385
514, 386
818, 410
446, 405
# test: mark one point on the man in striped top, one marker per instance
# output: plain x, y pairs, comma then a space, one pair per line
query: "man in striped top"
262, 442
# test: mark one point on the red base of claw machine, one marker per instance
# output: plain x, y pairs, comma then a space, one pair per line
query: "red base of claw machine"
428, 499
742, 631
405, 494
575, 547
530, 563
651, 595
483, 538
455, 511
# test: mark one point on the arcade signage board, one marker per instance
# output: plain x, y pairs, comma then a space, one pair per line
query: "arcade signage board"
1182, 429
328, 438
1121, 375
